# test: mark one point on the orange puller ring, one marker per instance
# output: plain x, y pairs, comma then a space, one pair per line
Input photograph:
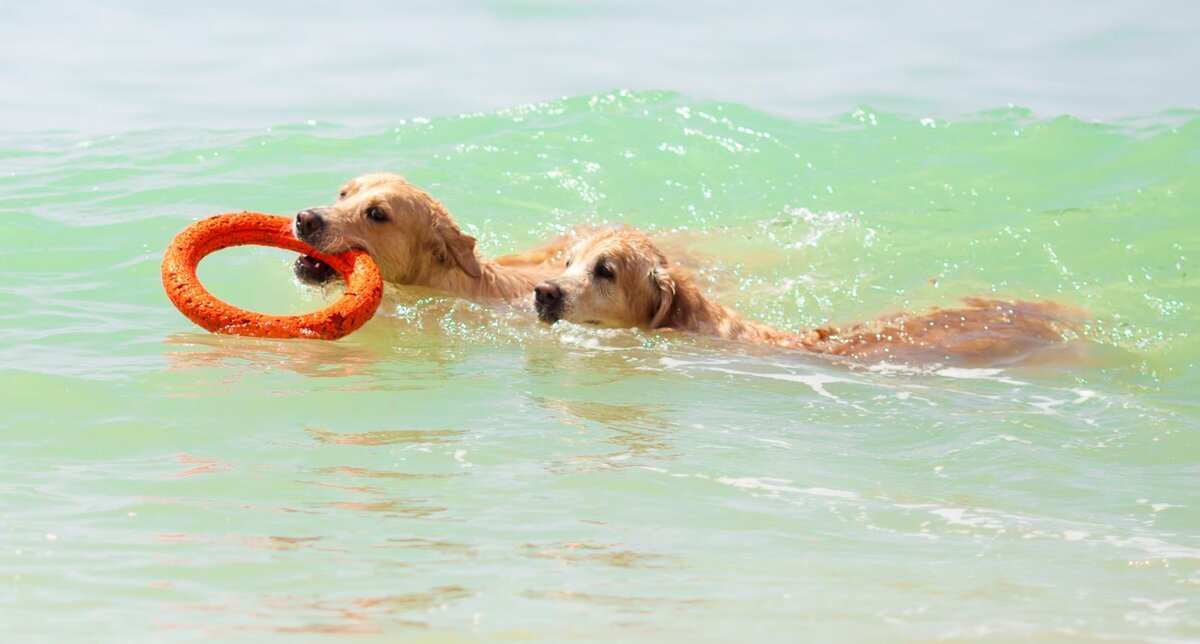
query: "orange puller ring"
364, 285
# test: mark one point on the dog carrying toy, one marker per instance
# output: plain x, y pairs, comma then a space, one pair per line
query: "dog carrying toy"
364, 284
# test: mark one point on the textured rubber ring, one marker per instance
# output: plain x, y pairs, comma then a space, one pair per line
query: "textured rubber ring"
364, 285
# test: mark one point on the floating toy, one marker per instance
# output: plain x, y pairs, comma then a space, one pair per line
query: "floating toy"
364, 285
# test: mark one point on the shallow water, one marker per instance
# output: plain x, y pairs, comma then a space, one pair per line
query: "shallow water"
454, 469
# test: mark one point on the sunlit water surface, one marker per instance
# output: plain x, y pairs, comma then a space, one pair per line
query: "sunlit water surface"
456, 469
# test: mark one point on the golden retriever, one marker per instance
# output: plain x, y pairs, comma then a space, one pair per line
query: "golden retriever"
619, 278
415, 241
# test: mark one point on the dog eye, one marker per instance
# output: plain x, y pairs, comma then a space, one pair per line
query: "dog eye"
376, 214
568, 262
603, 271
342, 195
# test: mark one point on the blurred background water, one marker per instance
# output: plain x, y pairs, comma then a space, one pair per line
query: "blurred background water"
455, 470
111, 67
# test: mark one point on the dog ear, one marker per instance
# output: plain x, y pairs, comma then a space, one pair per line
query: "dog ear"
665, 285
459, 248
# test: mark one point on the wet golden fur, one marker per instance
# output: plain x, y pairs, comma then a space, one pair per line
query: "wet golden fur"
420, 244
638, 287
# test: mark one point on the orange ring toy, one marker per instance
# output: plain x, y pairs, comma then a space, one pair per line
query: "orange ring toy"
364, 285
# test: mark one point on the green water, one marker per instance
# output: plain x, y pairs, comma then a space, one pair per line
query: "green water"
455, 470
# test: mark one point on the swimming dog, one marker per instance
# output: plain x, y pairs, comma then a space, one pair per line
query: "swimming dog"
415, 241
619, 278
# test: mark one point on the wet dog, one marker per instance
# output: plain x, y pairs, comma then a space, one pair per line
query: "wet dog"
415, 241
619, 278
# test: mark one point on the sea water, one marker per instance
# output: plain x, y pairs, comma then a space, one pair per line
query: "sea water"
457, 470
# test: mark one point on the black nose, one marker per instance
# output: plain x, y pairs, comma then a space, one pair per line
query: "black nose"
547, 294
308, 222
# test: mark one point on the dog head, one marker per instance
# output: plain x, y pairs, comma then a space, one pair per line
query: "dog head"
615, 278
407, 232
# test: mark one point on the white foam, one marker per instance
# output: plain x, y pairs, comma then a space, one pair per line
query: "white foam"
821, 223
1084, 396
964, 373
772, 441
1156, 548
782, 485
814, 381
461, 457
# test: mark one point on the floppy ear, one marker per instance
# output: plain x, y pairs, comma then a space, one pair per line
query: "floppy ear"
459, 248
661, 279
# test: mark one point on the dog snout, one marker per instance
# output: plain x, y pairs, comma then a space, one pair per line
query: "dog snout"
548, 299
548, 294
309, 222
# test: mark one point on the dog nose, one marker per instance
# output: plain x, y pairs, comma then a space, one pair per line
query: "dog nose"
308, 221
547, 293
